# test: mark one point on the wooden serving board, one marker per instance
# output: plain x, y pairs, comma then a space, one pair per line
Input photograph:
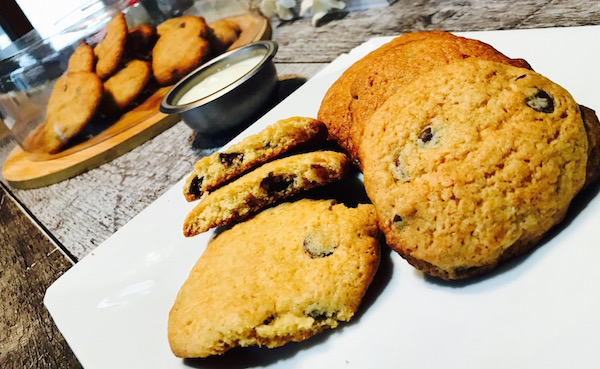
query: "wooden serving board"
24, 170
3, 130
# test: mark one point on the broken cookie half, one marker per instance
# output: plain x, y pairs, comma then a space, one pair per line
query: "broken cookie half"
264, 186
212, 171
285, 275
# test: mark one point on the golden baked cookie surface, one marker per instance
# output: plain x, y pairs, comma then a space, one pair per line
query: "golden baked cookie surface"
367, 84
112, 47
265, 185
126, 85
182, 46
473, 163
282, 136
298, 268
72, 104
82, 59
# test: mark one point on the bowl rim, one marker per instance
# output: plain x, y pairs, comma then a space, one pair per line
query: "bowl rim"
168, 108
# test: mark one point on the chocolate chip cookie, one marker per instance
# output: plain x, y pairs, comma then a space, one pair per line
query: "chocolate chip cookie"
263, 186
471, 164
82, 59
224, 33
182, 46
73, 102
367, 84
212, 171
126, 85
285, 275
111, 49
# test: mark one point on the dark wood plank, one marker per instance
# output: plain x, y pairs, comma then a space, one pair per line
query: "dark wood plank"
29, 263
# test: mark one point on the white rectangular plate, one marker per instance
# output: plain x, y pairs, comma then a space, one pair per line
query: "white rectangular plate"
540, 311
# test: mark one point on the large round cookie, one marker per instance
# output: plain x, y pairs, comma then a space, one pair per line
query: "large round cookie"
284, 275
367, 84
73, 102
471, 164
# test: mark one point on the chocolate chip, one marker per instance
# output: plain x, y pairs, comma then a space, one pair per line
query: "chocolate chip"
398, 222
540, 101
252, 202
317, 314
521, 76
320, 171
276, 183
269, 320
316, 248
426, 135
399, 173
228, 159
195, 186
463, 270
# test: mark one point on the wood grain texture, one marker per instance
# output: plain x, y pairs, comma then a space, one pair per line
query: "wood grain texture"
299, 41
29, 263
4, 132
85, 210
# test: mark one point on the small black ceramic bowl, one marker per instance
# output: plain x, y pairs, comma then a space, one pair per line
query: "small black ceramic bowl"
225, 92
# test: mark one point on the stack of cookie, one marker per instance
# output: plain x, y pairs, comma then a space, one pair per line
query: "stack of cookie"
299, 267
226, 196
123, 69
468, 156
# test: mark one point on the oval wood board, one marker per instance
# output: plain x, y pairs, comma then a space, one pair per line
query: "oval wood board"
28, 170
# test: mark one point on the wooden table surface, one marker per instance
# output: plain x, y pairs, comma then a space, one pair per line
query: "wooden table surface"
46, 230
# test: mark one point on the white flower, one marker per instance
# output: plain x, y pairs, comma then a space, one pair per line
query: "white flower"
320, 8
283, 8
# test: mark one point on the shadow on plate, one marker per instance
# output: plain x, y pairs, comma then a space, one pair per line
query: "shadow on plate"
249, 357
349, 191
578, 204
